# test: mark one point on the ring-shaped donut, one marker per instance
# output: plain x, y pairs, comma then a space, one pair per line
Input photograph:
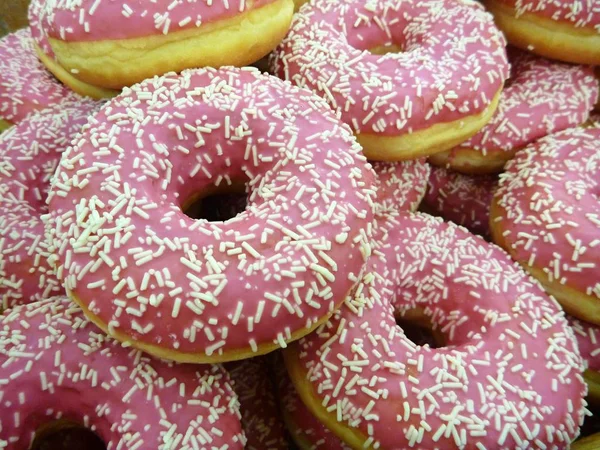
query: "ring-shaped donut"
507, 376
57, 368
199, 291
437, 82
115, 44
546, 214
541, 97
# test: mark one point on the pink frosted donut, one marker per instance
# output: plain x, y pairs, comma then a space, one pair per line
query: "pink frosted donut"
26, 85
462, 199
57, 367
29, 155
199, 291
261, 421
546, 214
440, 84
113, 44
541, 98
566, 30
402, 185
508, 374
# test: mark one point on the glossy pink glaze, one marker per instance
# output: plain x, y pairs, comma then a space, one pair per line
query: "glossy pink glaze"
38, 33
29, 155
542, 97
550, 194
55, 364
402, 185
97, 20
453, 63
255, 388
147, 270
462, 199
509, 376
579, 13
306, 427
25, 84
588, 339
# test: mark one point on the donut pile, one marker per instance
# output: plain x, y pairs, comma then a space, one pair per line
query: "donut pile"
220, 229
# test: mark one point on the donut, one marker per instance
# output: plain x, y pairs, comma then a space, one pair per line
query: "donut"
261, 421
588, 339
47, 58
401, 185
29, 155
26, 85
557, 29
506, 374
188, 289
542, 97
545, 214
411, 78
462, 199
115, 44
58, 367
305, 429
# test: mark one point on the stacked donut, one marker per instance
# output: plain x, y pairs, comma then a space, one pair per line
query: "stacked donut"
198, 255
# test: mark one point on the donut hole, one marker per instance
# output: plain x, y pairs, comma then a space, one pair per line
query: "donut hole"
386, 48
420, 330
66, 435
217, 206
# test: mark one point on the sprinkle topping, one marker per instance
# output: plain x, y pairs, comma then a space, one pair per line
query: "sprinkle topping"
29, 155
588, 340
580, 13
462, 199
402, 185
55, 364
125, 248
98, 20
550, 215
451, 65
508, 377
542, 97
25, 86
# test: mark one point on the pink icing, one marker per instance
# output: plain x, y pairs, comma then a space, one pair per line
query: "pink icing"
147, 270
588, 339
29, 155
549, 193
254, 386
541, 97
580, 13
509, 375
402, 185
55, 364
97, 20
38, 33
25, 84
452, 65
462, 199
307, 428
